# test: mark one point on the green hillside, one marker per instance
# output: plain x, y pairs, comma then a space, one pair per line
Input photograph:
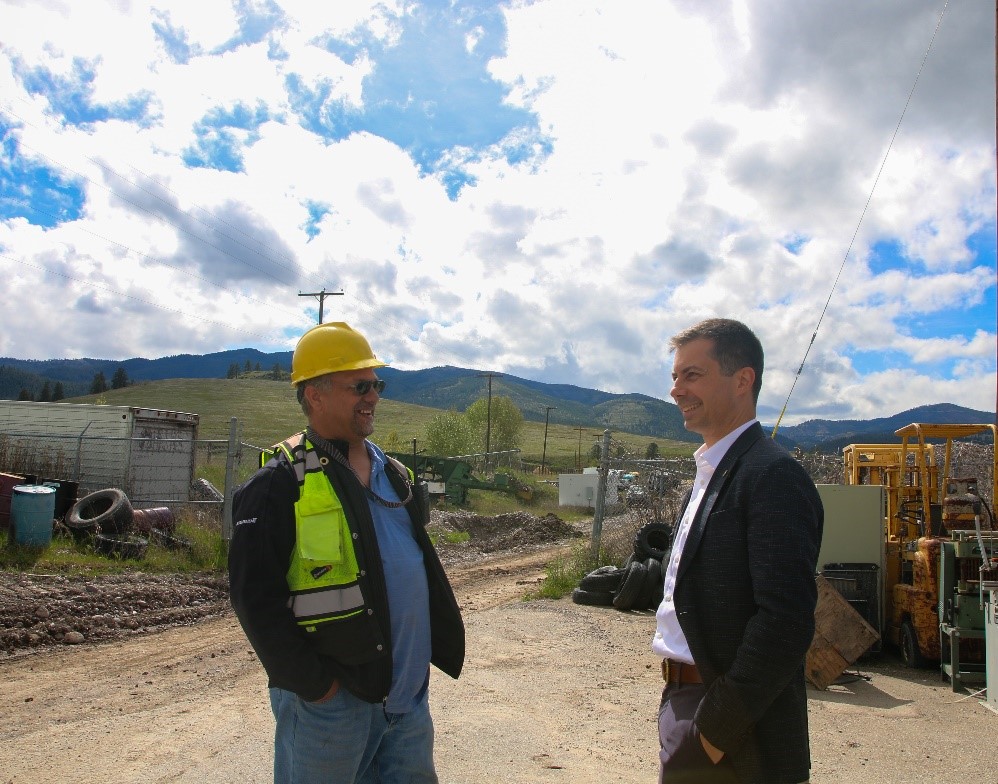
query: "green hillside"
267, 412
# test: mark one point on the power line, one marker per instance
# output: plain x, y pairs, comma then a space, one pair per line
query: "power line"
321, 296
869, 198
360, 305
163, 263
357, 304
488, 415
292, 267
137, 299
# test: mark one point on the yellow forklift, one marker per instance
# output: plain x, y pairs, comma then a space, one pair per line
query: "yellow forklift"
939, 545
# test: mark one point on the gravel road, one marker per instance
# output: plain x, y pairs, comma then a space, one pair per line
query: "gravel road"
552, 692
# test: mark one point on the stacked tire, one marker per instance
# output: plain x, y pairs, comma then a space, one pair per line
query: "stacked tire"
637, 585
104, 518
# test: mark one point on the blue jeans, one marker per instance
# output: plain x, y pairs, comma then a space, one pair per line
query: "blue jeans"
348, 741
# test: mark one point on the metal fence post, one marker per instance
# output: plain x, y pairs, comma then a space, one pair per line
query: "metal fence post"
230, 467
604, 471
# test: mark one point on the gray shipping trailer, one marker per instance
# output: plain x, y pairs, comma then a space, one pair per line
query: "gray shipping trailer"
146, 452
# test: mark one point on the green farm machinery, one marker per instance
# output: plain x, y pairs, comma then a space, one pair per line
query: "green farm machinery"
450, 478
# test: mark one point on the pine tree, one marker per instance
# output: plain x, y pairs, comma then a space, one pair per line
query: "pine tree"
58, 393
24, 394
120, 378
46, 393
99, 384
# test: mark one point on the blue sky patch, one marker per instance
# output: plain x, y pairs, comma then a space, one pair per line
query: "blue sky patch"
429, 92
885, 256
217, 145
256, 21
71, 97
982, 245
795, 243
173, 39
33, 191
316, 212
878, 361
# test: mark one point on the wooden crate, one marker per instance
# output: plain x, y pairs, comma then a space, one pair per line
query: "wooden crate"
841, 636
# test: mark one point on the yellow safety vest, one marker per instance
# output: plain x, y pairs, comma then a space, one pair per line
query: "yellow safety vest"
323, 573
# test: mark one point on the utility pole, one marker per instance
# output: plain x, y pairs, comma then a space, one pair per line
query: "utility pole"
321, 296
544, 451
578, 453
488, 417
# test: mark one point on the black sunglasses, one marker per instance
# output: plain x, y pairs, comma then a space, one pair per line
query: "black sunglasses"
361, 388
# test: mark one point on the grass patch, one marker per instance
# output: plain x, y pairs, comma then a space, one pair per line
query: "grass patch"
544, 501
267, 412
201, 549
564, 572
456, 537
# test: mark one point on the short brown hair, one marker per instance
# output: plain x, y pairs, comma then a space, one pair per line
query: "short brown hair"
735, 346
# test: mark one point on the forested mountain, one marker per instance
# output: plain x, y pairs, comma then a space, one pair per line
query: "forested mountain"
457, 388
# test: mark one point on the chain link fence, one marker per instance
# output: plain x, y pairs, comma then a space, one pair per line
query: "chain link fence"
634, 491
153, 470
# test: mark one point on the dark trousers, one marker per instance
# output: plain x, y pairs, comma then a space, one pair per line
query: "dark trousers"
683, 759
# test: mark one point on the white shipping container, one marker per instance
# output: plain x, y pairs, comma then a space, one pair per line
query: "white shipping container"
148, 453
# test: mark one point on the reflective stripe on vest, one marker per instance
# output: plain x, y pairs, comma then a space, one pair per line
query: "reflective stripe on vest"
323, 573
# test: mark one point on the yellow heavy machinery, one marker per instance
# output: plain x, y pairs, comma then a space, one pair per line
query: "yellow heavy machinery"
939, 544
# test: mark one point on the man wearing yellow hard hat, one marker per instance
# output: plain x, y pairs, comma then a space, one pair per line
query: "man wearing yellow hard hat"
337, 585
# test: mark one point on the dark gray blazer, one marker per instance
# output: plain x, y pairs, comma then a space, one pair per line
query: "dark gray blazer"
745, 597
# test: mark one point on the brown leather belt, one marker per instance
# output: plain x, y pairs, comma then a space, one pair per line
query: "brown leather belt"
680, 672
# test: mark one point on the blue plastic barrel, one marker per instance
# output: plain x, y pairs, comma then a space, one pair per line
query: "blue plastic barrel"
32, 509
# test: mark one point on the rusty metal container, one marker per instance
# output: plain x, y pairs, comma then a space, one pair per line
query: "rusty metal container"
159, 517
7, 483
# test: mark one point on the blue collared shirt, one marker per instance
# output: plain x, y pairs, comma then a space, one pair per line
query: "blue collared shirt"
408, 592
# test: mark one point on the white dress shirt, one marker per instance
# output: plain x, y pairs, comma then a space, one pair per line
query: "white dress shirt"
669, 641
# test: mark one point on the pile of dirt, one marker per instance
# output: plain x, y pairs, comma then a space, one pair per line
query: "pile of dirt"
41, 610
506, 531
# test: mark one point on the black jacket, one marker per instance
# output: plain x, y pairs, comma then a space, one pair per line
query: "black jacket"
745, 597
262, 541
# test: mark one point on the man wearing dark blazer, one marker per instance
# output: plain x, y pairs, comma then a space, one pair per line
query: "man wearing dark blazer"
737, 614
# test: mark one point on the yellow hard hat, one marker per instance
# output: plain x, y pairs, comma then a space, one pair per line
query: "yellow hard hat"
329, 348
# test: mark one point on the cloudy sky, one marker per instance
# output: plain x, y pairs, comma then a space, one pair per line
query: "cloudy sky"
547, 189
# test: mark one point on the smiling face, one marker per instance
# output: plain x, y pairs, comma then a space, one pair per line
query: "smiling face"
337, 412
712, 404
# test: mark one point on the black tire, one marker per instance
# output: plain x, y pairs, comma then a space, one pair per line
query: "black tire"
592, 598
169, 541
110, 510
653, 540
626, 597
606, 579
911, 654
128, 546
652, 593
81, 530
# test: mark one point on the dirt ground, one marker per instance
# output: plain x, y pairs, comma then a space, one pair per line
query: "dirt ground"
164, 687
